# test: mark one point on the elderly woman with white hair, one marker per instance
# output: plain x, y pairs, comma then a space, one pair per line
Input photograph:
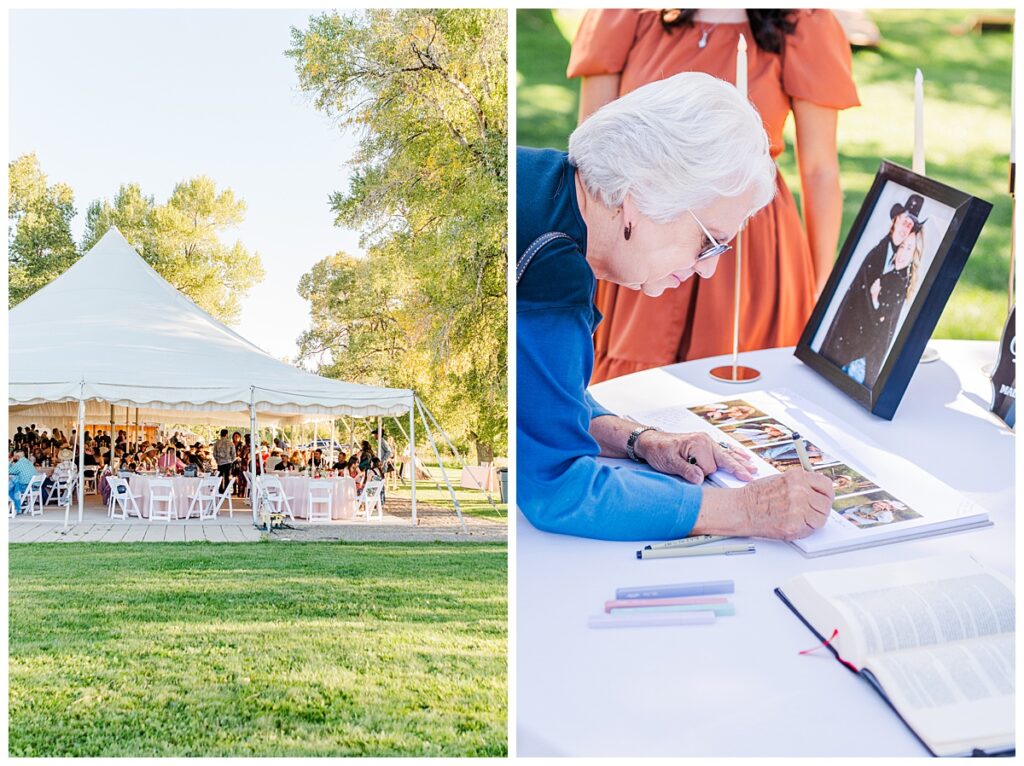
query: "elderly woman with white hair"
653, 187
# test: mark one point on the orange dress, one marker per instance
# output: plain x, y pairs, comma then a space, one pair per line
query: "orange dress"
695, 320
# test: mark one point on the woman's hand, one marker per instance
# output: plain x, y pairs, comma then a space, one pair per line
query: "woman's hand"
786, 507
671, 453
876, 288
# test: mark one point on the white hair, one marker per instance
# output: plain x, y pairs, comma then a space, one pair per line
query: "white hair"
675, 145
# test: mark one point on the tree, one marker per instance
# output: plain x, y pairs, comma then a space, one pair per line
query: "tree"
181, 240
427, 92
40, 245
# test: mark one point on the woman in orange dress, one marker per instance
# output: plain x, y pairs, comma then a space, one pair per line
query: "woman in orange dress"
797, 61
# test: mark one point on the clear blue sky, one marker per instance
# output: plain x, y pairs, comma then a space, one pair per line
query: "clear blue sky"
155, 97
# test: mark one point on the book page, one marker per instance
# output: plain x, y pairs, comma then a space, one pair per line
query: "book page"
917, 602
921, 614
956, 696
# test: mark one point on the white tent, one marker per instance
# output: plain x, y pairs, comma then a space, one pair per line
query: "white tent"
110, 331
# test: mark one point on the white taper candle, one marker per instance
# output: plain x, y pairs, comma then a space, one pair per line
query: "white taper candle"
919, 123
741, 66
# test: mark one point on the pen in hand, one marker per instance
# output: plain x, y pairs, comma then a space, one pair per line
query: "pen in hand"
801, 450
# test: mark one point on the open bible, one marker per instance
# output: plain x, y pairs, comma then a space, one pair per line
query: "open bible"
934, 636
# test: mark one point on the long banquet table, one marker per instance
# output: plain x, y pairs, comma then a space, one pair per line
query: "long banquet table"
296, 489
741, 687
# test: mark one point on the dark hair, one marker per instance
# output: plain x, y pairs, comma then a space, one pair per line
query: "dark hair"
769, 27
223, 432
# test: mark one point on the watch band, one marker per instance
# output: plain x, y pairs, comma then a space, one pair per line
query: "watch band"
631, 442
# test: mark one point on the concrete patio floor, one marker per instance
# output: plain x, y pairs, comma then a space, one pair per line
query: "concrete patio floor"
394, 526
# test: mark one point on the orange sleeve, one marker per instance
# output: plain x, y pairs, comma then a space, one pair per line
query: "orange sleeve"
816, 62
603, 42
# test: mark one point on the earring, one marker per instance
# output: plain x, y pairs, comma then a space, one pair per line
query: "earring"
626, 232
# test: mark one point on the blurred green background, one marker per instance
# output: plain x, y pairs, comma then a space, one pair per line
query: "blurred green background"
967, 127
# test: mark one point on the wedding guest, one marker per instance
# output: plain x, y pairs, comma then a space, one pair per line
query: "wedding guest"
19, 472
274, 460
224, 455
653, 185
799, 63
355, 474
365, 455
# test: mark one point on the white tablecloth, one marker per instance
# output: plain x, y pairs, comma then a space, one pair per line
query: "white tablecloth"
482, 477
343, 496
184, 488
739, 687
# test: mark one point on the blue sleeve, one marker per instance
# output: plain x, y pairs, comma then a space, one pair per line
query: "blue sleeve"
596, 410
560, 485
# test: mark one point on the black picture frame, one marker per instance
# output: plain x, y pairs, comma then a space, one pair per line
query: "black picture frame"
966, 215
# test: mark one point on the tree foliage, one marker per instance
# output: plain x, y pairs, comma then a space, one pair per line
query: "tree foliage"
40, 245
181, 239
426, 92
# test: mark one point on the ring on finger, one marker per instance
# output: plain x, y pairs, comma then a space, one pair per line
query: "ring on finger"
723, 445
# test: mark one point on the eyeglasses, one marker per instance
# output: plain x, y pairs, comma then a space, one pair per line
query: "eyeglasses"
715, 249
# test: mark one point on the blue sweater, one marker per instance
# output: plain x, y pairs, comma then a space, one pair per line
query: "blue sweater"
560, 485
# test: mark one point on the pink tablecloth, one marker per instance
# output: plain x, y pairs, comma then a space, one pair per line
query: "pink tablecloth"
343, 496
184, 488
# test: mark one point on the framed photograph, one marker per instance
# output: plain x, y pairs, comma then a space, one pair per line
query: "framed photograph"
899, 264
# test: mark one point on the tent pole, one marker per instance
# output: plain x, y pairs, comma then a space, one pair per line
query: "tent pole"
380, 452
440, 463
455, 452
112, 438
81, 459
412, 454
252, 450
136, 428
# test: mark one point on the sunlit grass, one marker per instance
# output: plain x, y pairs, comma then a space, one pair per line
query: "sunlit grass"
257, 649
967, 128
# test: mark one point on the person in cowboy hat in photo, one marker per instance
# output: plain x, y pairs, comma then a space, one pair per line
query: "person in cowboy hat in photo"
866, 321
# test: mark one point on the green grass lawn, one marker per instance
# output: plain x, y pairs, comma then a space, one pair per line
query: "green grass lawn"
257, 649
967, 128
472, 502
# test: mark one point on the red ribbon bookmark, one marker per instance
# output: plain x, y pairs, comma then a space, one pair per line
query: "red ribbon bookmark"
827, 642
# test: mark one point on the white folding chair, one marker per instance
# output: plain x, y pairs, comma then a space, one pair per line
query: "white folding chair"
369, 499
57, 488
32, 497
121, 496
161, 491
89, 484
204, 499
226, 495
247, 494
275, 491
69, 489
320, 496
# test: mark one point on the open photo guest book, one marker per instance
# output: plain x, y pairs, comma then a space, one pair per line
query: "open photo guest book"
880, 497
934, 637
